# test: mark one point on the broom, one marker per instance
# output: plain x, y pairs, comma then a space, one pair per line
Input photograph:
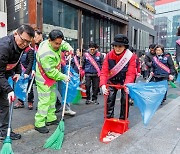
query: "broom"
6, 148
56, 139
173, 85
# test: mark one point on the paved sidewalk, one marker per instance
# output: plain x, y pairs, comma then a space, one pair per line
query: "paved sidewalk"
161, 136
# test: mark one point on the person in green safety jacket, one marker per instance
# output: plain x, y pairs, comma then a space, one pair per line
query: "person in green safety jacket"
47, 73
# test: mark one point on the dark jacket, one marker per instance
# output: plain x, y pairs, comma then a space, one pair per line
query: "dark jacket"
178, 51
9, 54
148, 59
88, 67
167, 61
126, 75
27, 60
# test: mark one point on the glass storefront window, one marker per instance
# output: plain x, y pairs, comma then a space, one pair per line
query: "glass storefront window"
63, 16
100, 31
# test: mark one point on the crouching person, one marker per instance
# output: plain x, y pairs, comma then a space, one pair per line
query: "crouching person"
119, 67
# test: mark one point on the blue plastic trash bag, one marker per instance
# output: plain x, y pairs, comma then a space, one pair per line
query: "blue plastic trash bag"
178, 78
20, 88
72, 87
147, 97
10, 81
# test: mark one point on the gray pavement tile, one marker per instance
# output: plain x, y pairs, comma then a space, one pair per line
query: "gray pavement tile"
151, 146
167, 133
176, 150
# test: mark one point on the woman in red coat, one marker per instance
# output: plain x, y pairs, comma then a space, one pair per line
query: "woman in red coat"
119, 67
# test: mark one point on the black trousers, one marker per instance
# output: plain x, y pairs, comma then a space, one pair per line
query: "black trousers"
111, 103
94, 82
4, 110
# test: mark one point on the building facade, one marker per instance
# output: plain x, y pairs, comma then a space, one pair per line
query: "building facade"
83, 21
141, 25
167, 21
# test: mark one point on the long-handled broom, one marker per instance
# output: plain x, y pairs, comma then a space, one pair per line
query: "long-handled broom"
6, 148
56, 139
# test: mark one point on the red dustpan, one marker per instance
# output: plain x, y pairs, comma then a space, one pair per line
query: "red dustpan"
113, 127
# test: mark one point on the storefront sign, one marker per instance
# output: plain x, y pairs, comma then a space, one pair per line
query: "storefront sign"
106, 8
134, 3
119, 14
150, 8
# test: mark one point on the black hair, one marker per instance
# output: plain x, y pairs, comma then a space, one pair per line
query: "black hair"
38, 32
159, 46
26, 28
54, 34
152, 46
93, 45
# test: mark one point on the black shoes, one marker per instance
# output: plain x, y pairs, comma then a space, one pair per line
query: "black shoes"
42, 130
88, 102
92, 102
13, 135
95, 102
55, 122
131, 102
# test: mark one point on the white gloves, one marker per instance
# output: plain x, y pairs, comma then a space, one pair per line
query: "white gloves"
33, 73
67, 79
171, 77
126, 90
11, 96
104, 90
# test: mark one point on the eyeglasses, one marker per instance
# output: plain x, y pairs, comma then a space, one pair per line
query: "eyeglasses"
24, 40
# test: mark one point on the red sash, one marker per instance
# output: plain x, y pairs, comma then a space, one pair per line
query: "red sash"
93, 62
119, 66
63, 61
48, 81
11, 66
161, 65
76, 62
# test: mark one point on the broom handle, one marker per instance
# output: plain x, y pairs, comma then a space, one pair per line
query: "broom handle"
10, 119
30, 86
67, 84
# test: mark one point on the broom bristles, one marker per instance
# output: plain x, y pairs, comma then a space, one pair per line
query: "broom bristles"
56, 139
6, 149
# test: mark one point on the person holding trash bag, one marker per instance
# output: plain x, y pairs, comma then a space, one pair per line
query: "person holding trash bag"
26, 61
47, 73
162, 66
119, 67
11, 49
